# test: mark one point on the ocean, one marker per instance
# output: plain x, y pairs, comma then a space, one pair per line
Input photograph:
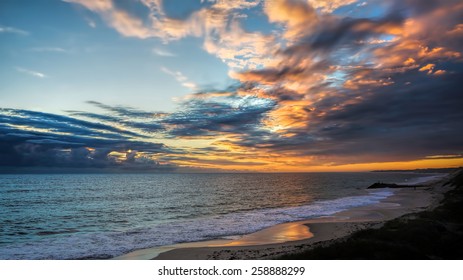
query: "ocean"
75, 216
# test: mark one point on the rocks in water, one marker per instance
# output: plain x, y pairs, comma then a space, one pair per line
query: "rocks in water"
392, 186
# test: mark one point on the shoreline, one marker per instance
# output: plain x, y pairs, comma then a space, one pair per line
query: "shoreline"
292, 237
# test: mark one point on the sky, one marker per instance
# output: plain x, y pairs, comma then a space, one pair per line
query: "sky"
231, 85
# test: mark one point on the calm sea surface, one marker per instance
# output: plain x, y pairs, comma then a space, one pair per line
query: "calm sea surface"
105, 215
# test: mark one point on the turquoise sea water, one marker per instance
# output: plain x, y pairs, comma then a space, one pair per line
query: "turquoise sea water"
64, 216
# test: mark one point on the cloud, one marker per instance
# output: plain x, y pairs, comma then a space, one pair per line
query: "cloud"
147, 125
34, 139
50, 49
218, 23
298, 16
320, 89
162, 52
90, 22
59, 124
120, 20
13, 30
397, 122
209, 115
328, 6
179, 77
428, 67
125, 111
122, 138
361, 4
31, 72
130, 118
343, 100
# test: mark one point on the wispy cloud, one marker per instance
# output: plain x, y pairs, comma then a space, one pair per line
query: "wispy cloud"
50, 49
31, 72
123, 22
218, 24
8, 29
443, 156
90, 22
182, 79
328, 6
361, 4
163, 52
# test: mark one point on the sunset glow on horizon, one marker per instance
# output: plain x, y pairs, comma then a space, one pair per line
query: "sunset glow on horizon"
231, 85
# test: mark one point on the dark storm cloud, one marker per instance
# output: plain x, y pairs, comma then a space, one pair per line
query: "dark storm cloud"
403, 121
209, 116
272, 75
61, 124
125, 111
380, 107
98, 117
34, 139
344, 32
204, 114
145, 126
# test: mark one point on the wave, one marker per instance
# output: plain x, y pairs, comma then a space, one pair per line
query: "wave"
423, 179
79, 245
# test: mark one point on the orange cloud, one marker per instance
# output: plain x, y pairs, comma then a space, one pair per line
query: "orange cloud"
328, 6
120, 20
440, 72
429, 67
308, 82
298, 16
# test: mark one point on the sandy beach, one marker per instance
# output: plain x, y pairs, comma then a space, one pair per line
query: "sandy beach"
289, 238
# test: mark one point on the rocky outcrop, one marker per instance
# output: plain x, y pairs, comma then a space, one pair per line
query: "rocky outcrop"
392, 186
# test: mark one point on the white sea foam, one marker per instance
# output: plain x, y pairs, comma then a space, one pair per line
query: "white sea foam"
423, 180
110, 244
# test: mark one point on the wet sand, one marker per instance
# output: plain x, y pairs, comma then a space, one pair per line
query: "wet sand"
293, 237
